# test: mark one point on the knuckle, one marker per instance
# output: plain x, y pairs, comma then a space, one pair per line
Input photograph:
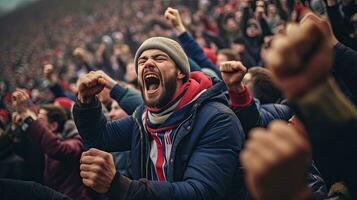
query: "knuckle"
94, 176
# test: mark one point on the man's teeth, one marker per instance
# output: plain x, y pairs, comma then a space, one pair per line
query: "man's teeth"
150, 75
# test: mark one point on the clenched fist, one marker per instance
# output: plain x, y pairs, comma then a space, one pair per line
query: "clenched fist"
233, 73
301, 59
97, 170
20, 103
276, 161
89, 85
172, 16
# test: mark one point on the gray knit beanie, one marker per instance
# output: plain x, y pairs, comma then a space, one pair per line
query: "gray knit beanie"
170, 47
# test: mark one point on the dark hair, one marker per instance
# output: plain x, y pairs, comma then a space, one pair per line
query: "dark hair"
55, 114
263, 87
229, 53
239, 40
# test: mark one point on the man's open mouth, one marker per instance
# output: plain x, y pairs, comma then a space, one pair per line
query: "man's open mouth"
152, 82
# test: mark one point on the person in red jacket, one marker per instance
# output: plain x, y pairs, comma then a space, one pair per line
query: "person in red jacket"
62, 151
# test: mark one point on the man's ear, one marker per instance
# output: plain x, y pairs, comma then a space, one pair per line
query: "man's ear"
180, 75
53, 126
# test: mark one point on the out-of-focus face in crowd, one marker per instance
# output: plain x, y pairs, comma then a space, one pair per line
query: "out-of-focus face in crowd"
253, 28
42, 116
104, 96
130, 72
271, 10
116, 112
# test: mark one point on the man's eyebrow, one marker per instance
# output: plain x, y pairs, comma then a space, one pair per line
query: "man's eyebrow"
142, 57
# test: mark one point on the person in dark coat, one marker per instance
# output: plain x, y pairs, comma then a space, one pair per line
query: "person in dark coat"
62, 149
20, 190
184, 140
11, 165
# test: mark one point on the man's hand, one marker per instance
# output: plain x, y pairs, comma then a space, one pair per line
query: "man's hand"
20, 102
172, 16
89, 85
107, 80
301, 59
97, 170
233, 73
276, 161
16, 119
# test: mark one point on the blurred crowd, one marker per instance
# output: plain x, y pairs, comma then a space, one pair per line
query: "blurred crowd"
46, 47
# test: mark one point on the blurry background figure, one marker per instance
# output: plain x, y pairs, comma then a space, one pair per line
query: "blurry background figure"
121, 159
260, 83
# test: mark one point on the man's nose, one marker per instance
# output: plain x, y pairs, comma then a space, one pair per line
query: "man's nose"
149, 63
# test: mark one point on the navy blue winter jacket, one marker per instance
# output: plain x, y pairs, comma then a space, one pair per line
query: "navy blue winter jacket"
204, 160
195, 52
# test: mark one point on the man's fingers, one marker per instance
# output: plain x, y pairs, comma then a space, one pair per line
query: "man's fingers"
232, 66
92, 160
88, 175
95, 156
292, 28
90, 80
172, 11
289, 134
309, 16
88, 182
19, 97
252, 161
89, 167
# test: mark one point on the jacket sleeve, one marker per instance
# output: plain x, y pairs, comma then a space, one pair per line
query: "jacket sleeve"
57, 90
127, 98
331, 121
252, 114
244, 22
339, 27
345, 70
97, 132
194, 51
209, 170
52, 145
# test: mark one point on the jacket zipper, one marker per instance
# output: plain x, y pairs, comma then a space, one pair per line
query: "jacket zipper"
144, 170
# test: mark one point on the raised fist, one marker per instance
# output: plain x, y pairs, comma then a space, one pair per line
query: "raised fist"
301, 59
107, 80
89, 85
20, 103
233, 73
97, 170
20, 100
172, 16
276, 159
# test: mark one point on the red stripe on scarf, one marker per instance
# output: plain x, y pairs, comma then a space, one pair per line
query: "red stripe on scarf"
160, 159
198, 81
